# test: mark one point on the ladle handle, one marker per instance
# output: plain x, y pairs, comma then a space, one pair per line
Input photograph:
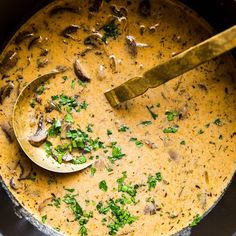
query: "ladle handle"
174, 67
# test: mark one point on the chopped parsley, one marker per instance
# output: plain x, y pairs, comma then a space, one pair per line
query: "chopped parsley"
152, 180
93, 170
109, 132
121, 217
73, 84
80, 215
48, 148
55, 129
71, 190
145, 123
56, 202
123, 128
122, 187
89, 128
172, 129
103, 185
217, 122
110, 31
137, 142
196, 220
101, 209
79, 160
116, 153
43, 219
183, 142
68, 118
200, 131
171, 115
153, 115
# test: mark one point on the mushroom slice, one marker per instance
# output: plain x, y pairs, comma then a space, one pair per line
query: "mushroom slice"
113, 64
9, 61
145, 8
94, 40
35, 40
5, 91
131, 45
80, 73
119, 12
150, 209
71, 29
40, 136
22, 36
67, 157
101, 72
8, 131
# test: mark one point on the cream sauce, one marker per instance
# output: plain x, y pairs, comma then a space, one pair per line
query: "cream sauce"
194, 172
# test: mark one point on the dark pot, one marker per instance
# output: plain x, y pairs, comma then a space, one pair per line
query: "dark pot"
220, 14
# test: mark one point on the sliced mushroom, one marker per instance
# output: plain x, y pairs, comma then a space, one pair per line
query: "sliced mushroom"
151, 144
131, 45
150, 209
183, 112
8, 131
45, 203
34, 41
113, 64
95, 40
145, 8
173, 155
5, 91
22, 36
67, 157
80, 73
96, 5
13, 184
71, 29
119, 12
41, 64
61, 9
101, 72
40, 136
9, 61
51, 105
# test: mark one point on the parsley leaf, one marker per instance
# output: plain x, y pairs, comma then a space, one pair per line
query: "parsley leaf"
103, 185
123, 128
171, 115
196, 220
172, 129
152, 180
146, 122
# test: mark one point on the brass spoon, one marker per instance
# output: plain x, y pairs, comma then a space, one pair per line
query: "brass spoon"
37, 153
174, 67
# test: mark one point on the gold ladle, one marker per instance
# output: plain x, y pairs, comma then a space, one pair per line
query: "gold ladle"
174, 67
158, 75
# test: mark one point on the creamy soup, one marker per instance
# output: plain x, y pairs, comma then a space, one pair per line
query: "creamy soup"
159, 162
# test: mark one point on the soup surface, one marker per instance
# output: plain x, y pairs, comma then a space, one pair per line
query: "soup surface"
160, 161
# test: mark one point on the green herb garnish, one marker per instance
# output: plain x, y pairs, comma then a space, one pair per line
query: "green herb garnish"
183, 142
43, 219
103, 185
196, 220
152, 180
110, 31
116, 153
172, 129
171, 115
68, 118
109, 132
217, 122
79, 160
123, 128
55, 129
154, 115
93, 170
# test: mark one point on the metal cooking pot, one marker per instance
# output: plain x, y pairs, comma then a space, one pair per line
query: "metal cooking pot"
222, 219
